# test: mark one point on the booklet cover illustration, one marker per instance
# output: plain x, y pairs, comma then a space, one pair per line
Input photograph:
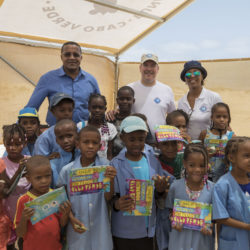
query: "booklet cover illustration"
89, 180
193, 215
47, 204
141, 191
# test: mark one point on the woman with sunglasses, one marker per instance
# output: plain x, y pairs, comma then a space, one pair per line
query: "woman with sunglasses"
198, 102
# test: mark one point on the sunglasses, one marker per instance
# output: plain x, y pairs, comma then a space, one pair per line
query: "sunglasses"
195, 73
68, 54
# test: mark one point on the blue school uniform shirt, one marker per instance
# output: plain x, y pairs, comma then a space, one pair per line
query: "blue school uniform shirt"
229, 201
91, 210
133, 227
163, 224
57, 80
58, 163
189, 239
46, 143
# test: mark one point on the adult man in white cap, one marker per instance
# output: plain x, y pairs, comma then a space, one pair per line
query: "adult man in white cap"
152, 98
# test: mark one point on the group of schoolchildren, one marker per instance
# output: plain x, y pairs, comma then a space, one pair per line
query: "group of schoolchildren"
35, 163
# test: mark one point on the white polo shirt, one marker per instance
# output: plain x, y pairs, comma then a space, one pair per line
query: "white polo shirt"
200, 116
153, 101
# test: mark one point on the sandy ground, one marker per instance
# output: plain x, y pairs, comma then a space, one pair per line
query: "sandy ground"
15, 96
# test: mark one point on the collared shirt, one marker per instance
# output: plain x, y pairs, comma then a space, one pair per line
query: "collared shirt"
45, 234
91, 210
133, 227
229, 201
46, 143
58, 81
58, 163
200, 115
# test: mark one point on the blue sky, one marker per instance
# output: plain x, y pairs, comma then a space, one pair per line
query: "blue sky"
206, 29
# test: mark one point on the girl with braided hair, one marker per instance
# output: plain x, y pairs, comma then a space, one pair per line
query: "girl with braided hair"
97, 107
12, 165
194, 187
231, 197
216, 138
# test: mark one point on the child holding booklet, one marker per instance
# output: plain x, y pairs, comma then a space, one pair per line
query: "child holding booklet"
45, 234
134, 232
66, 133
90, 209
194, 187
231, 199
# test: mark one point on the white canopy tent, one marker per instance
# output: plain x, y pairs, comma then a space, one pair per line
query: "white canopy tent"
110, 26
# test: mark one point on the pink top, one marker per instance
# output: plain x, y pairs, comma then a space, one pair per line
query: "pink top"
22, 187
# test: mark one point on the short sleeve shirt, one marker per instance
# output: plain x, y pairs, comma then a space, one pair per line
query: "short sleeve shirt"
200, 115
45, 234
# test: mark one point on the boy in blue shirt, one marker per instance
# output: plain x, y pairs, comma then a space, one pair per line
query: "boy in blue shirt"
66, 134
134, 232
61, 106
89, 210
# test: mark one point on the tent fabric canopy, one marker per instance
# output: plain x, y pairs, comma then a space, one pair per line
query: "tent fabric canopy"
108, 25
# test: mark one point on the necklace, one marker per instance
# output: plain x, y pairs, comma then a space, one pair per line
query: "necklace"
193, 195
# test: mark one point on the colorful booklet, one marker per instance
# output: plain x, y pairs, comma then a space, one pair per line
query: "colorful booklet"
217, 145
193, 215
141, 191
47, 204
89, 180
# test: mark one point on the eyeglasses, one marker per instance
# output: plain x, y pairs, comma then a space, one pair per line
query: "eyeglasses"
68, 54
195, 73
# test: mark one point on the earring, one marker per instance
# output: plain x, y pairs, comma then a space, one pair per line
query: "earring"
230, 167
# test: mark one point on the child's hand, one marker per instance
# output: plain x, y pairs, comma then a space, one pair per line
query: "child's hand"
27, 213
77, 225
110, 172
110, 115
65, 208
22, 165
207, 229
54, 155
161, 183
125, 203
177, 226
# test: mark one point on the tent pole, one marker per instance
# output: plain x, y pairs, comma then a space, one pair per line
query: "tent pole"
19, 72
116, 79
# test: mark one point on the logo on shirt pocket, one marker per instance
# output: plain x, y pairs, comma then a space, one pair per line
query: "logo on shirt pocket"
157, 100
203, 108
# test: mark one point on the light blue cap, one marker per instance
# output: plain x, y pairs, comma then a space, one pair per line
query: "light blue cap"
133, 123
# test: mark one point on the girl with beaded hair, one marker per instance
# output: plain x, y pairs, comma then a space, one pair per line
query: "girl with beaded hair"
193, 187
97, 106
231, 197
12, 166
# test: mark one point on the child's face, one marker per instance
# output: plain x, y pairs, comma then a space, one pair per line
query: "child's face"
30, 125
220, 118
168, 149
134, 142
195, 168
40, 178
180, 123
241, 160
63, 110
89, 143
97, 108
14, 147
66, 137
125, 100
